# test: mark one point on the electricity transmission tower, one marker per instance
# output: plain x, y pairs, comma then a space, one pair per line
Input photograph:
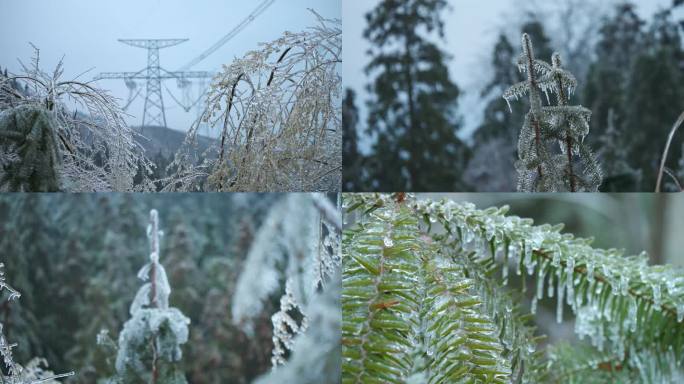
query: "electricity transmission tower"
153, 74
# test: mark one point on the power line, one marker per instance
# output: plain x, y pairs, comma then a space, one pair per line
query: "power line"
251, 17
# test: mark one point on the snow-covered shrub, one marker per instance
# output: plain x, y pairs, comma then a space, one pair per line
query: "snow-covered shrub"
424, 300
32, 373
96, 149
540, 168
149, 347
280, 116
299, 243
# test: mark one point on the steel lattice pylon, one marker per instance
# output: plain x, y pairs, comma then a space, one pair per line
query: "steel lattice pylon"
153, 74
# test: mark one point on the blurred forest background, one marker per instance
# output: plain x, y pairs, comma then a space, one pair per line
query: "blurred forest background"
634, 222
75, 258
629, 66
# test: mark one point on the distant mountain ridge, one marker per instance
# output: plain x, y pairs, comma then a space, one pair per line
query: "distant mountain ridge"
166, 141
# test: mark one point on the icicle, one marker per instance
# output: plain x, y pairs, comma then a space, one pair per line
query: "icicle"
680, 311
508, 101
570, 281
559, 302
504, 272
533, 308
530, 266
551, 286
590, 270
624, 284
556, 256
631, 315
526, 257
656, 296
540, 283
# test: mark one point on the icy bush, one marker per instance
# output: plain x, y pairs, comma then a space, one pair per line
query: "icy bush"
67, 127
279, 113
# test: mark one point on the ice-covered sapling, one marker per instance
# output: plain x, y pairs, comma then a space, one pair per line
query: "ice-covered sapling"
149, 347
551, 150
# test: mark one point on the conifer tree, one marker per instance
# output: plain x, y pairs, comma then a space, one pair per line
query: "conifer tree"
540, 168
412, 108
352, 158
621, 41
491, 169
149, 347
613, 154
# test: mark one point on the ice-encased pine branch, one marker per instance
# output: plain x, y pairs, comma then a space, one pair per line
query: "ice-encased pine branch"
551, 150
16, 374
415, 312
630, 311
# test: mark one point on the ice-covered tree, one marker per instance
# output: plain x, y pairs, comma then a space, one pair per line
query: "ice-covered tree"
296, 254
14, 373
613, 153
278, 109
621, 40
411, 114
490, 169
149, 346
46, 144
426, 299
540, 166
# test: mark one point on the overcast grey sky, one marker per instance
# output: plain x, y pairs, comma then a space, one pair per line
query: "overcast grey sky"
471, 29
86, 32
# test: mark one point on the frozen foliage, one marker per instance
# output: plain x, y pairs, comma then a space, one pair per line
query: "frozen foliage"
317, 353
299, 241
540, 167
284, 326
296, 241
32, 373
41, 126
398, 299
279, 113
150, 342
